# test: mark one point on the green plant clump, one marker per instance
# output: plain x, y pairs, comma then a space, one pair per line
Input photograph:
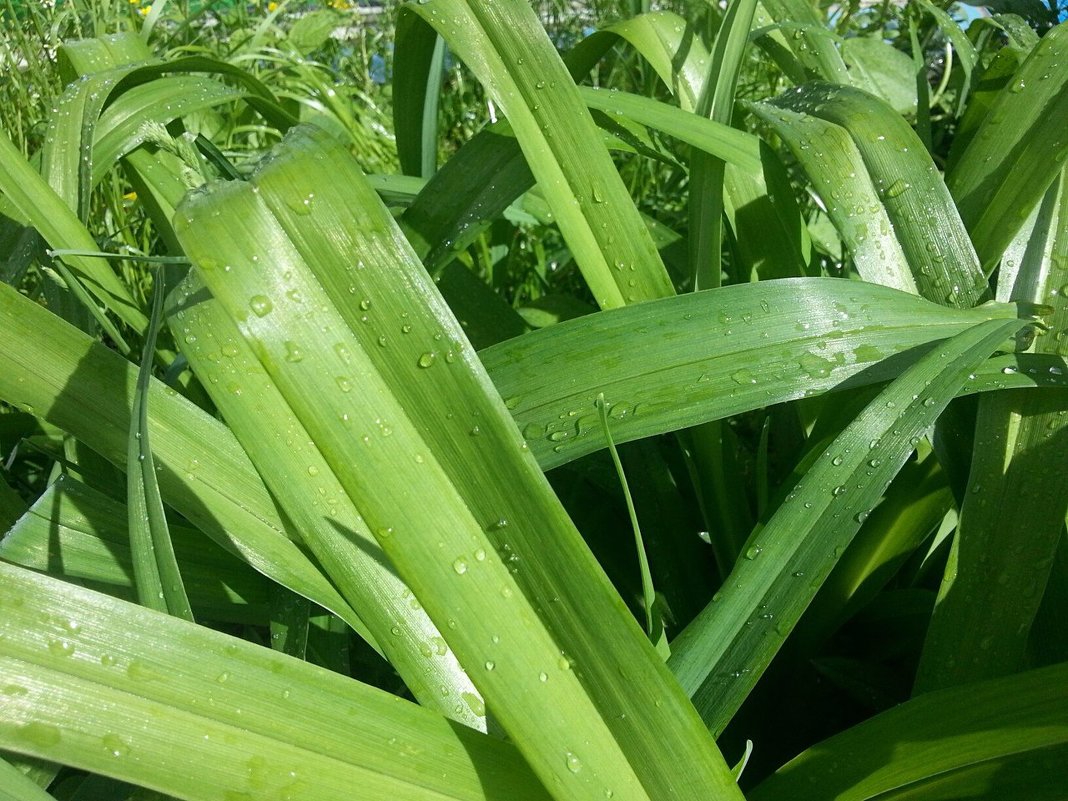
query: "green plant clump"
499, 401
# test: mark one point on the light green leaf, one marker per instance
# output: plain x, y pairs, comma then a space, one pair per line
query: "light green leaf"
73, 531
491, 508
950, 744
1006, 541
504, 44
113, 688
1005, 170
924, 220
720, 656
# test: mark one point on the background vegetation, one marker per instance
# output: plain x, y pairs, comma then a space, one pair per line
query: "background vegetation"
518, 400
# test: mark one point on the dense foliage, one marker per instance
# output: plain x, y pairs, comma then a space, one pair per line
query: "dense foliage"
477, 399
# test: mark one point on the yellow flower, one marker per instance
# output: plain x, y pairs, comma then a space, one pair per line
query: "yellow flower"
131, 196
272, 6
143, 11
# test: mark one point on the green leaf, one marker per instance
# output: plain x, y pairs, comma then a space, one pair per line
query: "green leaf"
882, 70
59, 374
954, 743
156, 576
506, 47
15, 786
721, 654
311, 30
60, 227
692, 359
838, 174
113, 688
925, 222
1005, 170
301, 480
478, 557
1006, 541
75, 532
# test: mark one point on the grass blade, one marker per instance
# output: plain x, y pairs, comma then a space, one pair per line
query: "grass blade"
980, 728
492, 508
122, 691
1005, 543
75, 532
935, 244
721, 654
16, 786
60, 227
716, 102
506, 47
1005, 170
836, 168
84, 388
694, 358
298, 475
156, 575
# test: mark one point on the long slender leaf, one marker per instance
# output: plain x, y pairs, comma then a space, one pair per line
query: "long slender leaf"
84, 388
61, 228
721, 654
925, 222
299, 477
1005, 170
15, 786
505, 46
479, 560
837, 171
101, 684
701, 360
979, 730
73, 531
1005, 542
156, 575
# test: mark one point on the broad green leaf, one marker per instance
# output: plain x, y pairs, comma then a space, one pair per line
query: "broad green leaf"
59, 374
416, 87
881, 70
838, 174
1006, 539
692, 359
306, 488
73, 531
1006, 168
505, 46
949, 744
920, 209
15, 786
60, 227
715, 102
117, 689
720, 656
664, 39
807, 36
459, 508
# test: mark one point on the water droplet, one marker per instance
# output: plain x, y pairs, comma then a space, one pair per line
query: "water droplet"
543, 677
460, 566
44, 735
343, 383
427, 359
61, 648
838, 491
574, 764
897, 188
261, 305
490, 664
293, 352
753, 552
743, 377
115, 745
